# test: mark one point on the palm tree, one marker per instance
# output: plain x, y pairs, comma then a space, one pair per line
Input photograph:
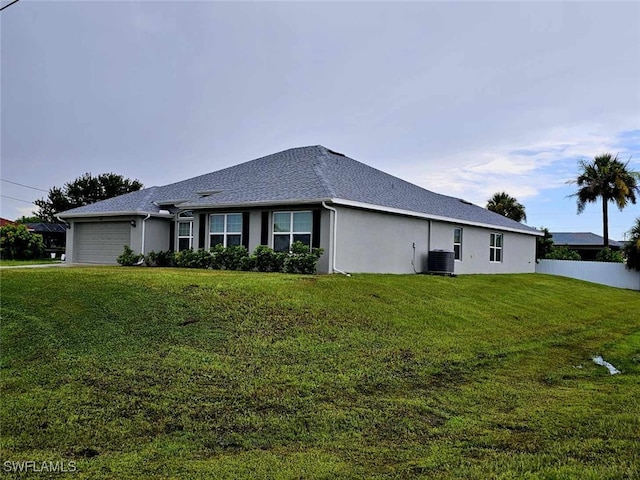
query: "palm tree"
506, 205
609, 179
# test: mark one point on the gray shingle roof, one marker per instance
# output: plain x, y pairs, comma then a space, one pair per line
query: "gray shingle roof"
300, 175
584, 239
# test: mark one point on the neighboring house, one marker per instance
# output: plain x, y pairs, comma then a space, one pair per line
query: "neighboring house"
364, 219
587, 244
4, 221
54, 235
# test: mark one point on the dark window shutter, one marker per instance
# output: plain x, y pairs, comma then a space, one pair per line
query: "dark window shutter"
202, 229
245, 230
315, 233
172, 236
264, 234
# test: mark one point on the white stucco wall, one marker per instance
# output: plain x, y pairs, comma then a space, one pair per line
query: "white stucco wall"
375, 242
518, 251
156, 237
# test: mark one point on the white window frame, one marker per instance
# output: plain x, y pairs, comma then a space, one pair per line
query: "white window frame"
291, 233
496, 251
459, 244
225, 233
184, 220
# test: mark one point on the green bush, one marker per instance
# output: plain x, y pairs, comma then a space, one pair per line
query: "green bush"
266, 260
160, 259
231, 258
608, 255
632, 249
300, 260
248, 263
16, 242
263, 259
128, 257
562, 253
194, 258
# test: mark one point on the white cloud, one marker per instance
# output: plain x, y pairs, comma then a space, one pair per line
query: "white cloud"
523, 170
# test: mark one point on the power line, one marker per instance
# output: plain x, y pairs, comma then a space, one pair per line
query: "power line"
23, 185
9, 4
18, 199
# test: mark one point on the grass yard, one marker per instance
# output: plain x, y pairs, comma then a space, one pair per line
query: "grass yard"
4, 262
166, 373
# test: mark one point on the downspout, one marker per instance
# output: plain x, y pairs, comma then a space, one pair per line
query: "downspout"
144, 220
335, 236
413, 263
67, 224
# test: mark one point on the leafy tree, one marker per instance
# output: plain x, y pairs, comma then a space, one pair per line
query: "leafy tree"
16, 242
83, 191
563, 253
33, 219
608, 255
608, 179
507, 206
632, 249
544, 244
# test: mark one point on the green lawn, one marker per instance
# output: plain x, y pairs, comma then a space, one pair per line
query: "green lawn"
15, 263
165, 373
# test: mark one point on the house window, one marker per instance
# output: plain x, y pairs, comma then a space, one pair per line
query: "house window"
185, 235
495, 248
225, 229
289, 227
457, 243
185, 230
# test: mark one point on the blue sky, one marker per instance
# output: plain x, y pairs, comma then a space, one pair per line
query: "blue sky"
462, 98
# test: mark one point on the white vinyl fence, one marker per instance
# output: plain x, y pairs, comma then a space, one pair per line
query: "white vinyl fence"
612, 274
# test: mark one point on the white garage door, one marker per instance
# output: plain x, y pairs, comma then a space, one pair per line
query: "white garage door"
101, 242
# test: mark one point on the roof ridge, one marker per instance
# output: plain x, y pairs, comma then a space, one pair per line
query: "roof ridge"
319, 170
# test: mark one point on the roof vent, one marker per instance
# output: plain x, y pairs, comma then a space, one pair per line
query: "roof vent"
466, 202
208, 193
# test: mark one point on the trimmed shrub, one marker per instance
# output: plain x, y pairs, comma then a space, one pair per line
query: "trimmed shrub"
231, 258
159, 259
128, 257
266, 260
300, 260
263, 259
194, 258
248, 263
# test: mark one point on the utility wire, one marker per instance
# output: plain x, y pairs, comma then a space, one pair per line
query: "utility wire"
9, 4
23, 185
18, 199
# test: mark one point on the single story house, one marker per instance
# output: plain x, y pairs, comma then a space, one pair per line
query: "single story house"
587, 244
364, 219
